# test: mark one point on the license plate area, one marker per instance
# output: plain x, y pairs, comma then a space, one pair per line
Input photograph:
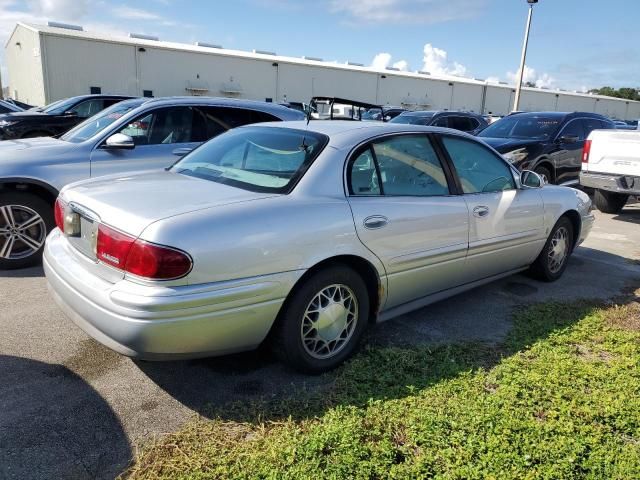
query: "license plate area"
86, 240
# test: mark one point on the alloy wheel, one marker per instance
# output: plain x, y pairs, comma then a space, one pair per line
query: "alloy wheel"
22, 232
558, 249
329, 321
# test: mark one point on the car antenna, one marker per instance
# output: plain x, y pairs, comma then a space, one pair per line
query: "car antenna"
307, 112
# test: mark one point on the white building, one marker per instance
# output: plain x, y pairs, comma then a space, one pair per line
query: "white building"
47, 63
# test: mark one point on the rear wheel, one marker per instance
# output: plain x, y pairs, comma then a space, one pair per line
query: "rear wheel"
552, 261
544, 172
323, 320
609, 202
25, 221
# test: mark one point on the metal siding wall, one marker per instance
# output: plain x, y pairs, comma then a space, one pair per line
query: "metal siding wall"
24, 63
499, 100
541, 101
74, 65
467, 97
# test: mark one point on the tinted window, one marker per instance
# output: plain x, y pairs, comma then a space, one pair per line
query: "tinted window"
412, 119
407, 165
166, 126
88, 108
479, 169
259, 159
523, 126
441, 122
573, 128
99, 122
461, 123
591, 124
4, 109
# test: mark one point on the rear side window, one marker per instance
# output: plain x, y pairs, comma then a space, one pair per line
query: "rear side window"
88, 108
441, 122
406, 165
574, 128
461, 123
479, 169
591, 124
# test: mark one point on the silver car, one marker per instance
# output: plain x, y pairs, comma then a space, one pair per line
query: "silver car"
132, 135
300, 234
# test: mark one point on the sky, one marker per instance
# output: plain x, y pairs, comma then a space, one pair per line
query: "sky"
574, 44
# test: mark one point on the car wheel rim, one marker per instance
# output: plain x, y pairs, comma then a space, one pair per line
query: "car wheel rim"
22, 232
329, 321
559, 249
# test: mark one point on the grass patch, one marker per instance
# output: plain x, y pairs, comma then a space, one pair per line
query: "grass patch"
559, 399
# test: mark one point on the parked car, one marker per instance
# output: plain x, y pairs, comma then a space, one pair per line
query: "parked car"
19, 104
549, 143
622, 125
54, 119
300, 234
8, 107
463, 121
333, 108
611, 166
137, 134
385, 113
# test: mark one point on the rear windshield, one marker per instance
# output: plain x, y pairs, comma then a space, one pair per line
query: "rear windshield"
259, 159
520, 126
94, 125
413, 119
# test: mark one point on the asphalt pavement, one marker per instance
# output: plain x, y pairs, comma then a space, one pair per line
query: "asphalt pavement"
70, 408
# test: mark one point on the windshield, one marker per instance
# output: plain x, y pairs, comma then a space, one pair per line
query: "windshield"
372, 114
413, 119
519, 126
58, 107
258, 159
94, 125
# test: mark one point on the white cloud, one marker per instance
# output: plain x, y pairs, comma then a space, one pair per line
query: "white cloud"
531, 76
135, 14
383, 60
436, 62
407, 11
61, 9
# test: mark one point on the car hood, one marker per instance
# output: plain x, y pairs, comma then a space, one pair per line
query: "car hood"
504, 145
36, 145
133, 202
26, 115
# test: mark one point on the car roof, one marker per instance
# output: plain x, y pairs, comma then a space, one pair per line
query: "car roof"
419, 113
345, 133
280, 111
559, 115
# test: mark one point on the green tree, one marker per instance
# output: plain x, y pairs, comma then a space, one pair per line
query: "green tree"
625, 92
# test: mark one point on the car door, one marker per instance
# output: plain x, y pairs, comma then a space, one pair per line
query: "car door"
568, 156
405, 213
159, 135
506, 229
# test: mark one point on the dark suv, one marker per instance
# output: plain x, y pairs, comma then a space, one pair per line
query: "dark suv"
464, 121
56, 118
549, 143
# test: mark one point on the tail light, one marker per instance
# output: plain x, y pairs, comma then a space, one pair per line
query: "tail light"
586, 151
140, 258
59, 214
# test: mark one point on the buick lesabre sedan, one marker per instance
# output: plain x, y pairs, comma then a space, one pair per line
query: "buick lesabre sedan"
300, 235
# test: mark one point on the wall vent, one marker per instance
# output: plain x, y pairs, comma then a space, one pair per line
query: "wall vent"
67, 26
264, 52
207, 45
355, 64
314, 59
142, 36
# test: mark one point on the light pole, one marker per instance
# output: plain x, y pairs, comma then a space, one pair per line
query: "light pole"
516, 101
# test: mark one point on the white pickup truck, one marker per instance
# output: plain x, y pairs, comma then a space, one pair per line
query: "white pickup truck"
611, 166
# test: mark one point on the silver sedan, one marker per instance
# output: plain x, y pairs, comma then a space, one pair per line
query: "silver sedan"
302, 235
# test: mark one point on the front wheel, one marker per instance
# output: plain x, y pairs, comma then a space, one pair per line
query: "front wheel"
25, 221
552, 261
544, 172
609, 202
323, 320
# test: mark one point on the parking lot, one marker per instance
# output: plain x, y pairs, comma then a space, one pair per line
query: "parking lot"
74, 409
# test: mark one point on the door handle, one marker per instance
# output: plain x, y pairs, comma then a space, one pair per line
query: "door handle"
481, 211
375, 221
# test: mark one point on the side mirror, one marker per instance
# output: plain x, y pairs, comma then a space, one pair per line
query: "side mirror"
181, 152
70, 114
120, 141
531, 179
569, 139
387, 118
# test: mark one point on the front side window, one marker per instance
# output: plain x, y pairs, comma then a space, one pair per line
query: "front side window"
573, 129
88, 108
405, 165
441, 122
94, 125
479, 169
523, 126
164, 126
259, 159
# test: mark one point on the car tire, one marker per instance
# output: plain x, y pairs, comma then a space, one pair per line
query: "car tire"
609, 202
338, 297
554, 257
544, 172
22, 247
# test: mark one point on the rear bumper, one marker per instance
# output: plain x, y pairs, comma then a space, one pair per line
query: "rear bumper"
162, 323
624, 184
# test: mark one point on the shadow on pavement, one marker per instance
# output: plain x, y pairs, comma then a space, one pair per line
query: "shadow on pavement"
55, 425
23, 272
630, 215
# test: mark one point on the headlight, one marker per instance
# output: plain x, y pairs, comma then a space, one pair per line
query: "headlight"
6, 123
516, 155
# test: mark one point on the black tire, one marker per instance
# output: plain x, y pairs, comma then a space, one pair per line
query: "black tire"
544, 172
609, 202
35, 134
287, 341
543, 268
23, 204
